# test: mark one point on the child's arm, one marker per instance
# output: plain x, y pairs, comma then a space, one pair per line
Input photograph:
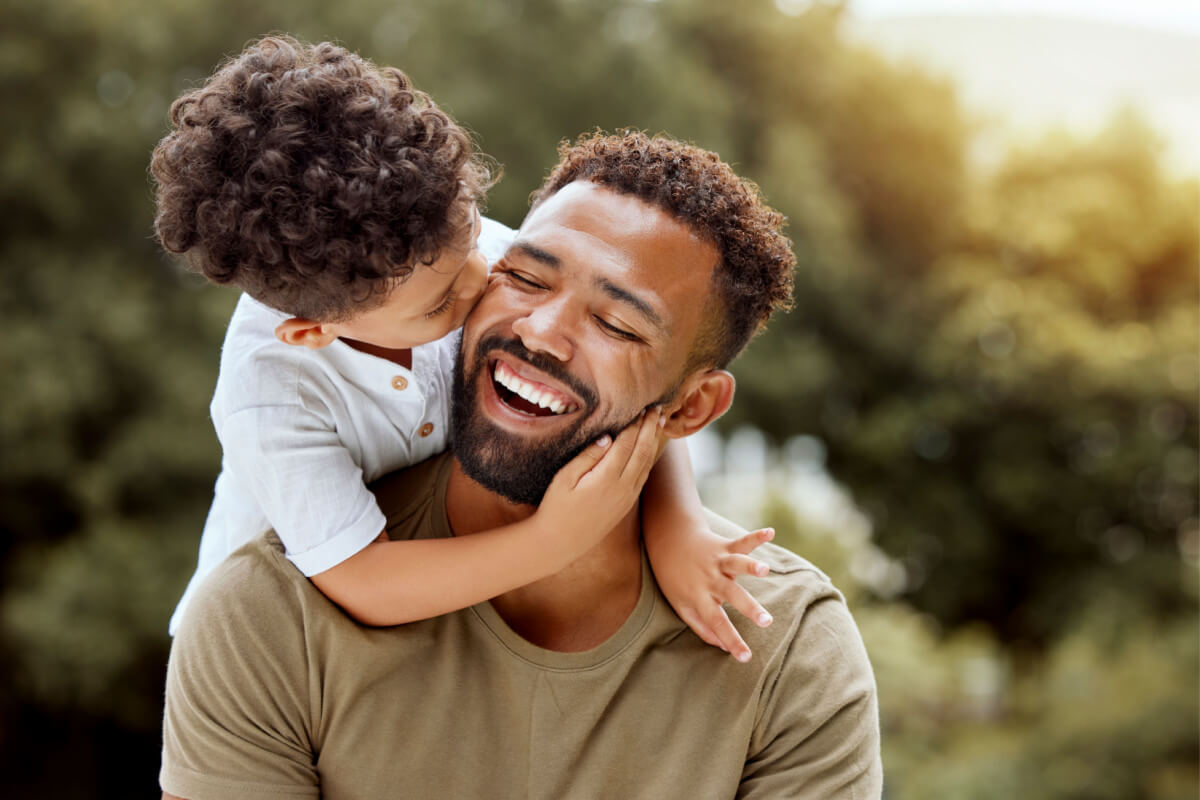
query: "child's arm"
393, 582
694, 566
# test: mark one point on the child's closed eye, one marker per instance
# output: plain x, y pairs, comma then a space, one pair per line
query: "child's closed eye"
444, 306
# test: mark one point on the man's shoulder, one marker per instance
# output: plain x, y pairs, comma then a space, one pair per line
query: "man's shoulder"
813, 628
817, 706
255, 588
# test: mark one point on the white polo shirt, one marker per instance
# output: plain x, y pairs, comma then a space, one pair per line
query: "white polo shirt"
303, 431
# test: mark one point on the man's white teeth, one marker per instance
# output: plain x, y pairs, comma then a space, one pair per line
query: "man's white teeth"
544, 399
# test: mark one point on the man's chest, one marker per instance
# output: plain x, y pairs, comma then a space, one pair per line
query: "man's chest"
466, 718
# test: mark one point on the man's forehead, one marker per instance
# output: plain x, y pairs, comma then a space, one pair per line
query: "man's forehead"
593, 201
585, 219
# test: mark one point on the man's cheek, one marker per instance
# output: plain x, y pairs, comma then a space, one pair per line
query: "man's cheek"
641, 381
493, 284
484, 306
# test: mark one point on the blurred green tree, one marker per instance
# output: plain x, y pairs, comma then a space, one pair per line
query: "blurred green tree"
1002, 364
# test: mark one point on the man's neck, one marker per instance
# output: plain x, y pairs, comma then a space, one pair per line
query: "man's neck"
575, 609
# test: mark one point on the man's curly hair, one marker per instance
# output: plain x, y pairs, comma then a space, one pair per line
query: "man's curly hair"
754, 276
312, 179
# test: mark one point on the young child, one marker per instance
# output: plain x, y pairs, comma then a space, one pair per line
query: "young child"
343, 203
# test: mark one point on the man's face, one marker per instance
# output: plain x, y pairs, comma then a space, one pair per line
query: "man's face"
587, 320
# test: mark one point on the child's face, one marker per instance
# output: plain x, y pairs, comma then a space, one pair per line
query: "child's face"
431, 302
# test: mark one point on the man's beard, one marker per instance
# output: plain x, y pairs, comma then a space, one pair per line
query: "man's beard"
517, 468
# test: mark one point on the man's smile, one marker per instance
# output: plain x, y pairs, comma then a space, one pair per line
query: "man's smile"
523, 386
519, 390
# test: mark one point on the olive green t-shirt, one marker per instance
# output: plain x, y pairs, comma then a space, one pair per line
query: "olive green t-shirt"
273, 692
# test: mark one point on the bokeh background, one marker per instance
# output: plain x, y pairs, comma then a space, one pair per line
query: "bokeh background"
981, 417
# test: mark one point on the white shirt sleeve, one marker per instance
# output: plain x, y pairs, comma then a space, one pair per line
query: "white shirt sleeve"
306, 482
494, 239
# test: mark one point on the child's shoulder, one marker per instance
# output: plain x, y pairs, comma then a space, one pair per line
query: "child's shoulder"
251, 328
256, 368
494, 238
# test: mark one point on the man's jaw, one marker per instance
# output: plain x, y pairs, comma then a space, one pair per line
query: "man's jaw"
508, 445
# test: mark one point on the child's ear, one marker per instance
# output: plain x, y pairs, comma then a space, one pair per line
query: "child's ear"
305, 333
703, 397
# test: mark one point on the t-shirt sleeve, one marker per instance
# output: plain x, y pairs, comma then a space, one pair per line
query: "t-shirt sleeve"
305, 480
818, 729
237, 720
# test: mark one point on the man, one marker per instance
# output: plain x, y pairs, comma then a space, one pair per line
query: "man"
644, 266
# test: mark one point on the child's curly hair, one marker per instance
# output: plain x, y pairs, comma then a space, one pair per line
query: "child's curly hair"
754, 276
312, 179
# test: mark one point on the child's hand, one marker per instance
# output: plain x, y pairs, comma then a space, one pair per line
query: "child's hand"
696, 572
598, 487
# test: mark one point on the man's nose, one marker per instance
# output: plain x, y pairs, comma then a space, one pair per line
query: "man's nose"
545, 329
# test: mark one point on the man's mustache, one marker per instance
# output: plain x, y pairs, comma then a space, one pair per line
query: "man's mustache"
547, 364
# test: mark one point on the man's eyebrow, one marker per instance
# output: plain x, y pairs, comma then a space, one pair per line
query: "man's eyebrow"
632, 300
537, 254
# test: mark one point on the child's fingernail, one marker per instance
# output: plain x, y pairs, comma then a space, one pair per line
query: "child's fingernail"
743, 656
764, 619
662, 419
769, 533
604, 441
761, 570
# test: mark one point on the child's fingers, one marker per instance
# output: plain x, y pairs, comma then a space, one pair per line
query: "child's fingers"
582, 464
733, 564
736, 595
625, 442
731, 640
631, 455
744, 544
701, 629
613, 458
645, 447
613, 469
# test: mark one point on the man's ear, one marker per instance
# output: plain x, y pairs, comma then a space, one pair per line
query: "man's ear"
305, 333
702, 398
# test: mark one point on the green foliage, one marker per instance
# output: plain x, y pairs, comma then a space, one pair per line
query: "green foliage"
1001, 363
1021, 392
